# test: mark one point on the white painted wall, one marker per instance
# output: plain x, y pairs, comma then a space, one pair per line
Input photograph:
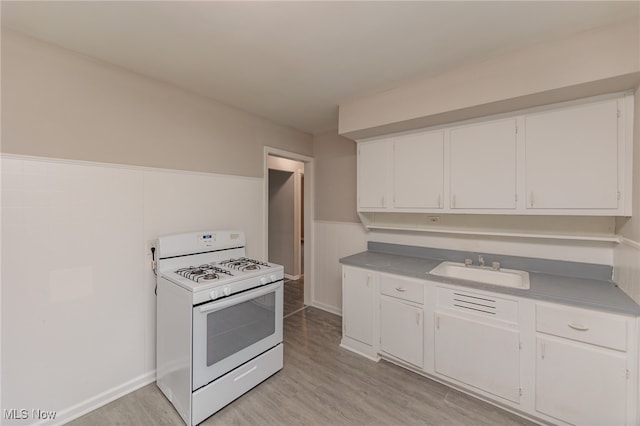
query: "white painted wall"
78, 304
627, 254
282, 226
568, 250
626, 268
332, 241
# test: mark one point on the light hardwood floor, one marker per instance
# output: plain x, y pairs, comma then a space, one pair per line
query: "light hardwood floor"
320, 384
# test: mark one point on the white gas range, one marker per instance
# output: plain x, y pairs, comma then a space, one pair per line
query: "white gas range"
219, 321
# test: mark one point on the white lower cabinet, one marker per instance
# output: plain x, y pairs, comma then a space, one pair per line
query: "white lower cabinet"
481, 355
555, 363
401, 330
358, 310
402, 319
477, 341
584, 365
580, 384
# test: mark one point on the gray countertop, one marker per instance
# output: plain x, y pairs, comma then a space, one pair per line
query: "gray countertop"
553, 281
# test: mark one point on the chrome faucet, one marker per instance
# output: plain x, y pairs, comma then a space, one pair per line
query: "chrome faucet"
481, 260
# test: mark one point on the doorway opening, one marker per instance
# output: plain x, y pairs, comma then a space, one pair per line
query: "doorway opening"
287, 214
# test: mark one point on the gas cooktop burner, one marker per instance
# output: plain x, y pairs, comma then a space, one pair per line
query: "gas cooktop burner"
244, 264
204, 272
209, 276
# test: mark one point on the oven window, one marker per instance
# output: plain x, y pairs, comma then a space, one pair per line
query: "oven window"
239, 326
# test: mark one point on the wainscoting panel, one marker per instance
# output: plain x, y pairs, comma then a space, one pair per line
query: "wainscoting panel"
333, 240
78, 304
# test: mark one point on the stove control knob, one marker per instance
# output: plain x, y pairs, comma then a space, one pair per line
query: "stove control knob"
214, 294
227, 291
273, 278
263, 280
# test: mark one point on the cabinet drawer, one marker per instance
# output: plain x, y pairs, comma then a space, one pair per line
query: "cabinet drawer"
582, 325
478, 304
412, 291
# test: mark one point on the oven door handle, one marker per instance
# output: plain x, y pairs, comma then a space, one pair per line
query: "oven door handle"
251, 294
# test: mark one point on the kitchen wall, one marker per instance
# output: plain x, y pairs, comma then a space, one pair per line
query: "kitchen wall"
627, 253
62, 105
96, 162
542, 74
337, 228
593, 62
335, 189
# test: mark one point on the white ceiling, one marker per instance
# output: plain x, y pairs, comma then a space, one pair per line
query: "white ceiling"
294, 62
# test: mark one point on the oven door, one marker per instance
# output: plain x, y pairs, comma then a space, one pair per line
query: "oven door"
231, 331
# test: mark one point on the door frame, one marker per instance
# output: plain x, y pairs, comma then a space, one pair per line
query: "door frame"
309, 236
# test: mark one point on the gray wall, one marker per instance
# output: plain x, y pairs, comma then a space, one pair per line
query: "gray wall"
56, 103
335, 178
281, 219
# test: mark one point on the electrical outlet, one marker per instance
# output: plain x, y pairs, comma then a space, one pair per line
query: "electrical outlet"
150, 243
433, 219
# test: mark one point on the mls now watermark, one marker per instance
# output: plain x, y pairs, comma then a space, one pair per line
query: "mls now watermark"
24, 414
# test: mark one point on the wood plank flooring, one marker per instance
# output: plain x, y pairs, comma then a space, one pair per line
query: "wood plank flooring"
320, 384
293, 296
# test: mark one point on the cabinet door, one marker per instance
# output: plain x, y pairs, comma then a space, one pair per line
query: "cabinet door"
481, 355
358, 305
418, 171
374, 164
580, 384
401, 330
572, 158
483, 166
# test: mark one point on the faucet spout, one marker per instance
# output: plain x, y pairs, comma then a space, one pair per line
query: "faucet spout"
481, 260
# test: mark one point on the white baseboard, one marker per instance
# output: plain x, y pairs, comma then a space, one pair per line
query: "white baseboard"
328, 308
84, 407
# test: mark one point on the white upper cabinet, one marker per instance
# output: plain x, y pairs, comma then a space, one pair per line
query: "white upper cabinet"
401, 173
418, 171
374, 170
572, 157
483, 166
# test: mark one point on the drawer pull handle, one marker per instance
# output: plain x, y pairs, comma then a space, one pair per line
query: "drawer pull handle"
246, 373
578, 327
401, 289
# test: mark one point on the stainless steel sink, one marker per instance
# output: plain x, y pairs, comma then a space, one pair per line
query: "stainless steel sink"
502, 277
